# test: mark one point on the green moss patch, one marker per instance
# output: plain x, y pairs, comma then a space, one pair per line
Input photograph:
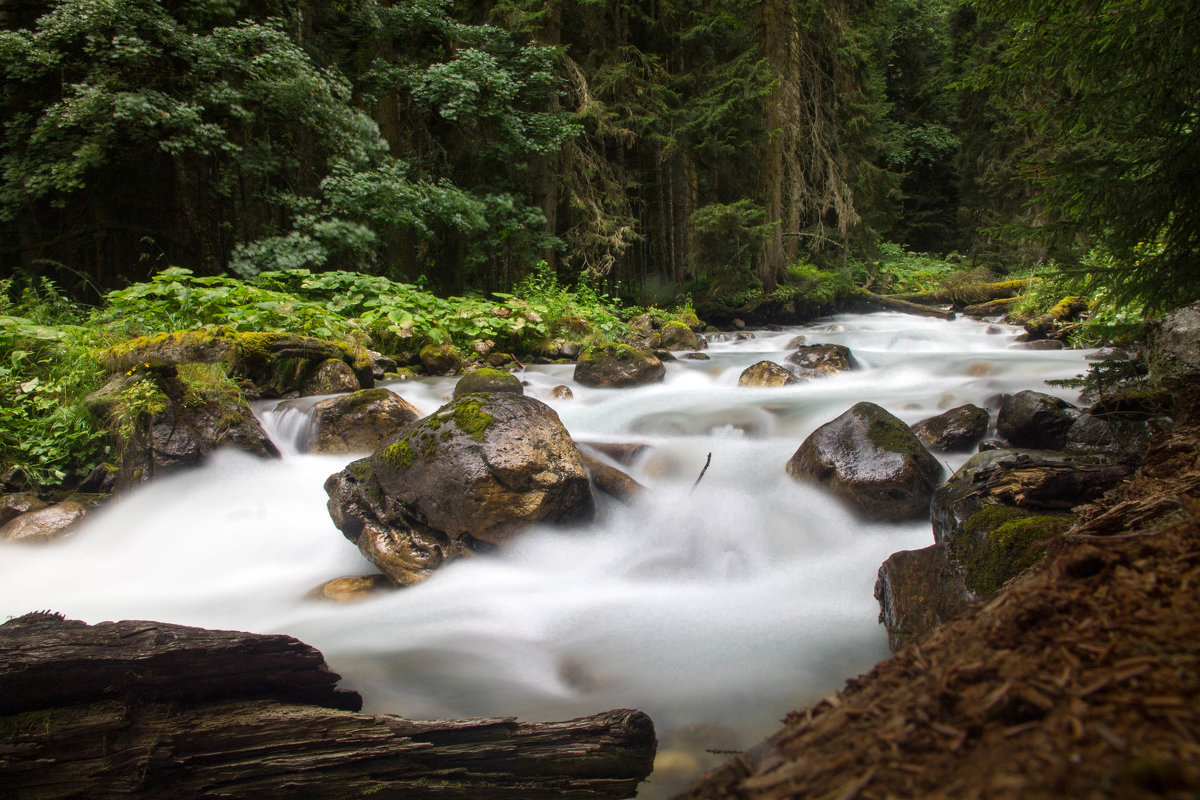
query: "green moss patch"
399, 456
1000, 542
472, 420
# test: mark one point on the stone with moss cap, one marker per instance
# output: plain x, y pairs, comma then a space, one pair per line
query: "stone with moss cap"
618, 366
440, 359
468, 477
360, 422
872, 461
486, 379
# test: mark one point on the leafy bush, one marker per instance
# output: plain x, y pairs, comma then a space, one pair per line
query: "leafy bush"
902, 271
46, 369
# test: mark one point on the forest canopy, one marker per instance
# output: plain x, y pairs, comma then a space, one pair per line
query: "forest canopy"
658, 149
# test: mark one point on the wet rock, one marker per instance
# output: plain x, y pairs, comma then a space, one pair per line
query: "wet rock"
1036, 420
14, 505
610, 480
358, 423
744, 336
677, 336
918, 590
471, 475
1173, 355
955, 431
697, 356
1039, 344
871, 460
351, 589
488, 380
43, 524
332, 376
1110, 436
738, 324
766, 374
175, 423
819, 360
621, 452
797, 342
562, 392
381, 365
440, 359
664, 355
618, 366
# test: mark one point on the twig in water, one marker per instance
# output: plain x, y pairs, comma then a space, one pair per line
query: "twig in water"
707, 461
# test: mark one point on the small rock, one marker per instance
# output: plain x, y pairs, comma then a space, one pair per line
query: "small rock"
332, 376
44, 524
488, 380
739, 324
819, 360
1036, 420
766, 374
351, 589
440, 359
697, 356
955, 431
14, 505
618, 366
562, 392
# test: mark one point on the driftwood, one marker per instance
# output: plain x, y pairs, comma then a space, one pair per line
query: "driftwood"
874, 302
154, 710
965, 295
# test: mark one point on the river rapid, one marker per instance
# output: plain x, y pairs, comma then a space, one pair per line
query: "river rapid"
714, 609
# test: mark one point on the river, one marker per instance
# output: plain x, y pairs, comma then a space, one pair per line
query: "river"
714, 609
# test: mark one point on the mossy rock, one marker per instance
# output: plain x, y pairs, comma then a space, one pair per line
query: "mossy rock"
440, 359
485, 380
572, 327
618, 366
675, 335
872, 461
360, 422
1000, 542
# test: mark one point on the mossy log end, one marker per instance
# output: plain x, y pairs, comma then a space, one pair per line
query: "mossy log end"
135, 708
965, 295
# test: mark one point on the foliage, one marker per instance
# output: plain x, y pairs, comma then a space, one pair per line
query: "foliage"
903, 271
46, 369
1110, 89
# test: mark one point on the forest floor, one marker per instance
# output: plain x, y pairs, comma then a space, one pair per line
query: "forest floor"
1080, 679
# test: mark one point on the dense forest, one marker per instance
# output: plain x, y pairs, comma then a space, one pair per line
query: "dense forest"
657, 149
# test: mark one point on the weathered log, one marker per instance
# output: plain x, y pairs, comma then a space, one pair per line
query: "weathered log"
137, 708
991, 308
870, 301
965, 295
47, 661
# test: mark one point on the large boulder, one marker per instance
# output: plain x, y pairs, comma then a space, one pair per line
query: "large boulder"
766, 374
332, 376
871, 460
676, 335
358, 423
468, 477
1036, 420
991, 520
1111, 436
819, 360
170, 418
618, 366
956, 431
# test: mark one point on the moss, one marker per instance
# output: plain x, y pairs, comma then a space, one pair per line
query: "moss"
472, 420
33, 723
893, 437
616, 350
360, 470
992, 553
399, 456
364, 397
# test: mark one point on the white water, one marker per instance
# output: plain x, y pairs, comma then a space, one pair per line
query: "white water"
718, 609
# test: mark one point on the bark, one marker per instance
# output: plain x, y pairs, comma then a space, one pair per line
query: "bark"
153, 710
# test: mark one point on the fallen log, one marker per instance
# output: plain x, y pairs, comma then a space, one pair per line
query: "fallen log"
968, 294
991, 308
869, 301
158, 729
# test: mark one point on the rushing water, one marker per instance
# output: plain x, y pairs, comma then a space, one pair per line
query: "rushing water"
714, 609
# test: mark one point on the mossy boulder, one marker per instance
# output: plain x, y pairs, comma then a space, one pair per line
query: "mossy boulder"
360, 422
440, 359
1036, 420
675, 335
618, 366
820, 360
955, 431
332, 376
766, 374
465, 479
872, 461
486, 380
